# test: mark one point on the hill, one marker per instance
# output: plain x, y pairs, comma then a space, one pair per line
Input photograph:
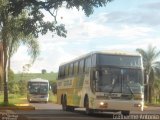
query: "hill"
27, 76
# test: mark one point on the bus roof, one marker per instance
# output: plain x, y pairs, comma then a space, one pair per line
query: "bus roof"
38, 80
107, 52
117, 52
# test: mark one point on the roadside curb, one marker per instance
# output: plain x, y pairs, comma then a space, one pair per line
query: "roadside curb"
18, 108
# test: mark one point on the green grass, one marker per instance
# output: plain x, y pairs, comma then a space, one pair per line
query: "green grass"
27, 76
15, 99
2, 104
22, 99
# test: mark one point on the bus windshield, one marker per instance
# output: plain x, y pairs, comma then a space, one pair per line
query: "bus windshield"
118, 60
120, 80
38, 88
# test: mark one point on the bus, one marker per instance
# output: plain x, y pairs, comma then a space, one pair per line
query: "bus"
102, 81
38, 90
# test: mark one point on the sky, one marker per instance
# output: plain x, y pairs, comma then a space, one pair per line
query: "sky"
122, 25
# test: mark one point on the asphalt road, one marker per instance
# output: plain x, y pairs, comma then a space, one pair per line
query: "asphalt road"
51, 111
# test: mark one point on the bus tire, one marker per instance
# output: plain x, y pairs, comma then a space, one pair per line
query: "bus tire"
88, 111
29, 101
70, 108
64, 104
65, 107
125, 113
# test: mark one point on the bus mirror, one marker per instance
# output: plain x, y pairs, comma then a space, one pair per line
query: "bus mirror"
147, 79
97, 75
50, 87
113, 81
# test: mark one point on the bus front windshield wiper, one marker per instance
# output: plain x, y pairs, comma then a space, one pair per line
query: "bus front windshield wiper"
130, 89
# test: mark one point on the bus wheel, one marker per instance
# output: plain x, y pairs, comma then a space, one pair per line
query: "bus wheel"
45, 102
64, 104
29, 101
125, 113
71, 108
88, 111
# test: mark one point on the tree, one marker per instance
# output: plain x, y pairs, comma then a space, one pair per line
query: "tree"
34, 23
151, 67
44, 71
12, 40
16, 38
10, 81
22, 85
157, 90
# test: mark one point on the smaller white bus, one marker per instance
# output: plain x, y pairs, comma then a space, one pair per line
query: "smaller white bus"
38, 90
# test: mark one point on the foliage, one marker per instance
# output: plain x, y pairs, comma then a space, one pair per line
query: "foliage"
28, 76
11, 38
44, 71
53, 87
22, 80
22, 87
32, 22
157, 90
151, 66
35, 24
13, 87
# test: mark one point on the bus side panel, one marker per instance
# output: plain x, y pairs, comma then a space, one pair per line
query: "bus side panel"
75, 91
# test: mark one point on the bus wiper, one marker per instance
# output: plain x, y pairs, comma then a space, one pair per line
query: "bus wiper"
130, 90
112, 88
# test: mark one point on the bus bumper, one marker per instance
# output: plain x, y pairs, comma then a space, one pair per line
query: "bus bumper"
119, 105
34, 99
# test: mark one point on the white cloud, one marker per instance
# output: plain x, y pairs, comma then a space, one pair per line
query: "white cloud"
132, 31
20, 59
85, 35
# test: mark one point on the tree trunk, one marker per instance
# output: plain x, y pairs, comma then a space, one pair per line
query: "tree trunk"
5, 76
145, 94
5, 54
150, 94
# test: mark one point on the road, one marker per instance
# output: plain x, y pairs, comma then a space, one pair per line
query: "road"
51, 111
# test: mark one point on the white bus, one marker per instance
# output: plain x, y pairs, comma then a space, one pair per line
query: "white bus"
38, 90
102, 81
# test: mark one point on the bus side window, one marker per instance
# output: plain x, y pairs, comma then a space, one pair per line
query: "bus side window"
81, 66
71, 69
66, 70
87, 64
62, 72
76, 68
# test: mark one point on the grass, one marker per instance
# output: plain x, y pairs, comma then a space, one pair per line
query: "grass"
15, 99
2, 104
22, 99
27, 76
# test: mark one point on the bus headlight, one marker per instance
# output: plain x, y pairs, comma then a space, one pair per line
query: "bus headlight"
137, 105
101, 103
